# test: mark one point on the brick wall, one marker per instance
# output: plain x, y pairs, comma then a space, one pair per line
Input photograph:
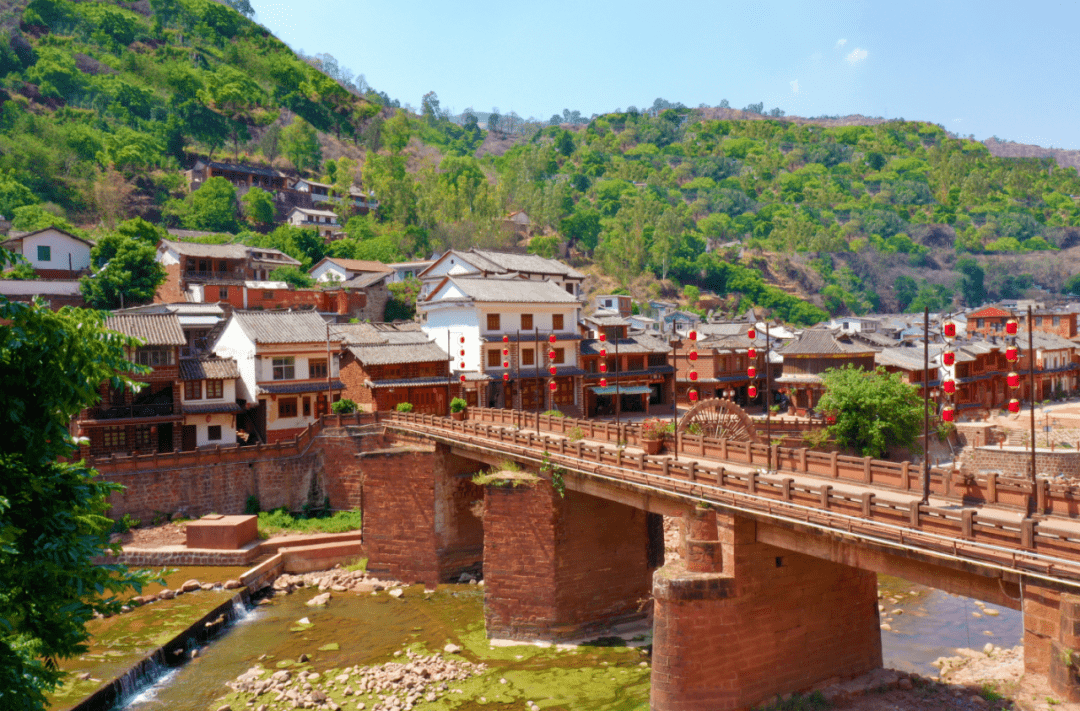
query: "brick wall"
556, 568
1051, 638
169, 291
1016, 461
772, 622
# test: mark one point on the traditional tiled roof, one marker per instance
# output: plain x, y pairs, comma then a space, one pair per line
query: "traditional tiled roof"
388, 354
408, 382
512, 262
284, 327
512, 290
27, 235
316, 213
365, 279
360, 265
208, 369
607, 317
151, 329
990, 312
376, 333
818, 341
907, 358
311, 386
213, 251
633, 345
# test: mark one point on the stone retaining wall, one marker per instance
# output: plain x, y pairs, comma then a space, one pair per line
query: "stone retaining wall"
1016, 461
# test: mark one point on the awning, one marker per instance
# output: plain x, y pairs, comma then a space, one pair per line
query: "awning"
622, 390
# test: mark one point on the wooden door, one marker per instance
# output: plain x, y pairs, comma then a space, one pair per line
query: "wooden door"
189, 438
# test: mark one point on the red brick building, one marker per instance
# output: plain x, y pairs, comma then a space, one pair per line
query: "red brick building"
808, 357
722, 363
386, 364
638, 372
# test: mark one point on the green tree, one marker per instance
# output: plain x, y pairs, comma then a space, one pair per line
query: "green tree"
212, 207
402, 302
53, 510
139, 229
30, 218
1071, 285
544, 246
126, 273
905, 289
873, 409
258, 206
971, 284
293, 276
13, 194
300, 144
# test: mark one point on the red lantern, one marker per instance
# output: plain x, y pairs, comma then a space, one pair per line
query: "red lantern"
1011, 327
949, 386
603, 337
1014, 406
506, 376
1012, 354
692, 335
751, 372
693, 375
551, 355
506, 364
692, 395
948, 357
751, 333
1013, 379
506, 339
461, 365
463, 339
692, 355
462, 352
552, 386
552, 370
950, 329
603, 382
506, 351
751, 392
948, 413
603, 367
751, 352
551, 338
603, 351
463, 377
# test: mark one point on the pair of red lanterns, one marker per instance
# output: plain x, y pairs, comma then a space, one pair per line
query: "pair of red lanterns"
692, 356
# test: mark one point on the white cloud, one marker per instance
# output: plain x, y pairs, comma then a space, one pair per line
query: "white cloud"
795, 86
840, 43
857, 55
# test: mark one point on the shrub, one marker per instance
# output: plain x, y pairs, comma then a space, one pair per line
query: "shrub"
656, 429
458, 405
404, 407
576, 434
343, 407
553, 413
252, 506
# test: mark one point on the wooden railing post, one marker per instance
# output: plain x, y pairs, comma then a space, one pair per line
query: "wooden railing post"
867, 504
826, 492
751, 482
803, 466
967, 523
833, 456
913, 514
991, 488
787, 482
868, 470
905, 475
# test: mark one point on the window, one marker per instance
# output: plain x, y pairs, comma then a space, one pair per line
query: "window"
223, 293
979, 323
113, 437
494, 359
316, 368
44, 253
143, 436
215, 389
193, 390
285, 369
223, 266
556, 322
560, 355
493, 322
527, 356
526, 322
154, 356
213, 432
307, 407
286, 407
1057, 320
570, 288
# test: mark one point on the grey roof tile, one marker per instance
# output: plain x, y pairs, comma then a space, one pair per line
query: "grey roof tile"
151, 329
284, 327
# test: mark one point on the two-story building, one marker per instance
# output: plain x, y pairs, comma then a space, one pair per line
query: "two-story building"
208, 401
288, 363
321, 193
53, 253
241, 176
385, 364
624, 372
504, 335
325, 222
148, 419
808, 357
619, 303
481, 263
722, 365
224, 267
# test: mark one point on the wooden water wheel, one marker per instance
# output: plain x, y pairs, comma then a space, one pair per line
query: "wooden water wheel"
718, 418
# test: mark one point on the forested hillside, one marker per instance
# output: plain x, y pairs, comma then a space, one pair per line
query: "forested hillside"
104, 103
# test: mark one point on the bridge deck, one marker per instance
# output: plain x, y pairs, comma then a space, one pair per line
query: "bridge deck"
987, 536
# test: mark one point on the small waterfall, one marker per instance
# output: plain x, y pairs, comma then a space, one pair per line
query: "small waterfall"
141, 683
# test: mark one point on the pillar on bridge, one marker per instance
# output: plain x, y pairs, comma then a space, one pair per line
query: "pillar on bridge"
737, 622
559, 567
1052, 637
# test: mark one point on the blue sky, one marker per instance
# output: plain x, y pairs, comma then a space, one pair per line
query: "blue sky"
986, 68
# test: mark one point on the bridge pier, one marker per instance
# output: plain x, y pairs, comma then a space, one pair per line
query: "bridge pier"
1052, 638
560, 567
737, 622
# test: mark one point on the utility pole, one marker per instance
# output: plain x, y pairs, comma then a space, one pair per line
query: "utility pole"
329, 386
1031, 384
675, 393
926, 406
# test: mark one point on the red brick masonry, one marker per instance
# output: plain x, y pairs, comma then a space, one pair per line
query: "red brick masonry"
218, 532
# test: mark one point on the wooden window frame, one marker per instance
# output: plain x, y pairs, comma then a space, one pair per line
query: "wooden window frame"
193, 390
287, 366
557, 323
526, 322
321, 364
211, 430
285, 406
215, 389
494, 322
494, 358
528, 356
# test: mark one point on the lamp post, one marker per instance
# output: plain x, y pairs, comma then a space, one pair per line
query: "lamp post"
618, 375
926, 406
675, 393
1031, 384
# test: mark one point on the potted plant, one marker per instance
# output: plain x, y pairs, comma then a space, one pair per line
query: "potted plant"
457, 409
652, 436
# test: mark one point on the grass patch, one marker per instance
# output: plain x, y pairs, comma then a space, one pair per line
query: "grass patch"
991, 694
811, 702
281, 521
357, 566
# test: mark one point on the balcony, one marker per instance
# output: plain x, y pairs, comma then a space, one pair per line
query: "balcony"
221, 275
120, 412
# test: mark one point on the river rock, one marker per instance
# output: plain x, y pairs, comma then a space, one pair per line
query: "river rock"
319, 600
233, 584
302, 658
397, 592
225, 707
166, 594
451, 649
206, 587
905, 684
191, 586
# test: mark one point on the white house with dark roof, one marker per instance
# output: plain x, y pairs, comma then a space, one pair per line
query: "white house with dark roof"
331, 269
53, 253
472, 315
287, 361
208, 401
324, 221
486, 263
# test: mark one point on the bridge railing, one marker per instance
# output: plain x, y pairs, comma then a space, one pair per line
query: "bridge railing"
1036, 546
